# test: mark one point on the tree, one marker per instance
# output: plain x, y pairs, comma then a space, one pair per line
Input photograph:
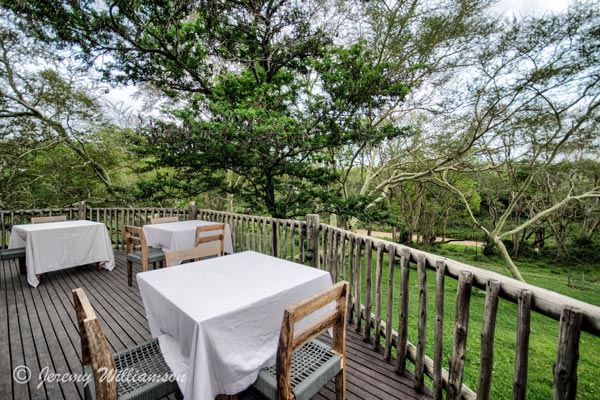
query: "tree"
243, 74
52, 130
536, 96
425, 44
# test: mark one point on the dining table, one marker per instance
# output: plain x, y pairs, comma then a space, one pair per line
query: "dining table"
218, 320
53, 246
172, 236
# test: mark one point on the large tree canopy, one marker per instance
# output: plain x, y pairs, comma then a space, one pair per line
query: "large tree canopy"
263, 91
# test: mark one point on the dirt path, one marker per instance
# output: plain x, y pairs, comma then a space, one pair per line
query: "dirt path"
388, 235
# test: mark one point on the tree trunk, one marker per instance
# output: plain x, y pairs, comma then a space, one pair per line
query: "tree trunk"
514, 271
516, 244
539, 242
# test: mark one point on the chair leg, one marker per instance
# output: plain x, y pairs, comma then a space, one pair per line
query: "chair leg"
129, 273
22, 266
178, 394
340, 385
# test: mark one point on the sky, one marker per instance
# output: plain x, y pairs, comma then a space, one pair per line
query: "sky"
518, 7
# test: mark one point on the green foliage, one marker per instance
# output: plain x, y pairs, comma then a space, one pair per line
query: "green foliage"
56, 146
267, 128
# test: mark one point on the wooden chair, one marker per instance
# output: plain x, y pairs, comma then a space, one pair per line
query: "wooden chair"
134, 236
303, 364
99, 362
195, 254
215, 242
19, 253
54, 218
162, 220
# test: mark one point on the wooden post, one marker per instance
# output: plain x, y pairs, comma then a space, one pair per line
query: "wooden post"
390, 303
192, 211
312, 231
565, 369
459, 342
357, 283
368, 290
351, 259
81, 210
422, 323
438, 345
378, 294
334, 257
275, 237
403, 312
487, 340
522, 346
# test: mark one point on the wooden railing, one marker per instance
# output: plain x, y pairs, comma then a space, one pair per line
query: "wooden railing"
370, 265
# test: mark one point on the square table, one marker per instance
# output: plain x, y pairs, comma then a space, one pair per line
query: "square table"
181, 235
218, 320
52, 246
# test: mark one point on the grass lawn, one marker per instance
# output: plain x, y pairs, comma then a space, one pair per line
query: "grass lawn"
544, 331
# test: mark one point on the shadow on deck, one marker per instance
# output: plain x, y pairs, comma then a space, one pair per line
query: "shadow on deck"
38, 330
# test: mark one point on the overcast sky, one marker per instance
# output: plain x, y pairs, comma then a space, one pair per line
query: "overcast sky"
510, 7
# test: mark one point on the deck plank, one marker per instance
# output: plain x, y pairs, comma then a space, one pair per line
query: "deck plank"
38, 329
66, 359
5, 359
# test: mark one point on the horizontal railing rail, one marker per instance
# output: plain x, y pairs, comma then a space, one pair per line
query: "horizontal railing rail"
377, 270
369, 264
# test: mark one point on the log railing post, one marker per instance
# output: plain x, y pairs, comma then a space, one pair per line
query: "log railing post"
357, 283
368, 290
522, 346
387, 354
81, 210
459, 342
275, 237
378, 294
487, 340
422, 323
403, 312
565, 369
312, 231
438, 347
192, 211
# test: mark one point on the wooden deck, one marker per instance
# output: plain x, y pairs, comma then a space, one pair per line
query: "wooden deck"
38, 329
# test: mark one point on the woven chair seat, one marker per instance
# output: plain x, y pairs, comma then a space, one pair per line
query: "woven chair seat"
154, 255
9, 254
138, 365
313, 365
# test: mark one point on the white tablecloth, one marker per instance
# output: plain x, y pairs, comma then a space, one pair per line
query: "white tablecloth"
181, 235
52, 246
218, 320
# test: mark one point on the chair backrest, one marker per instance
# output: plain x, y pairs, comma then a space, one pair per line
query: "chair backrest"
94, 347
134, 236
162, 220
194, 253
289, 340
53, 218
215, 241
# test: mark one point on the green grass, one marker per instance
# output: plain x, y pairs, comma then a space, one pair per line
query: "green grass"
544, 330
